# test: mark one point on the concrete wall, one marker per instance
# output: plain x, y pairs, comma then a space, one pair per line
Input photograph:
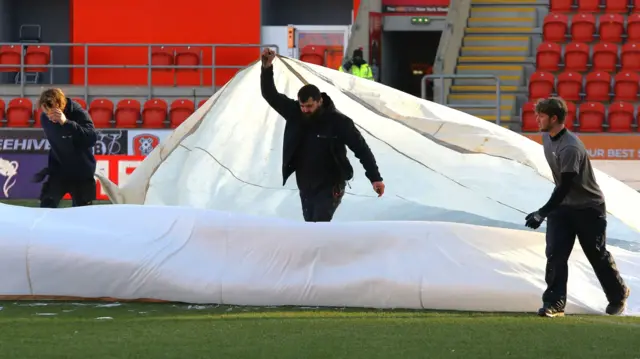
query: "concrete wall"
360, 30
306, 12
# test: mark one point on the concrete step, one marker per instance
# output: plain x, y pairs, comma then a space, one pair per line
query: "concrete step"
504, 80
493, 59
497, 70
501, 22
511, 41
478, 112
483, 88
510, 2
492, 118
481, 99
512, 11
495, 51
501, 30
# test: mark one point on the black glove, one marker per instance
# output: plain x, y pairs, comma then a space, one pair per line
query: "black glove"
347, 65
534, 220
39, 177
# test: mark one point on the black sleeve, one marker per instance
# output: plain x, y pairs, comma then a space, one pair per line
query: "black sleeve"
349, 134
82, 129
285, 106
559, 193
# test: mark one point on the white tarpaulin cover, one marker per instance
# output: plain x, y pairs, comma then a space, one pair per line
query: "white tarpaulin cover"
466, 184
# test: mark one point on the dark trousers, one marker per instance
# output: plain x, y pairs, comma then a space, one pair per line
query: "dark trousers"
83, 192
320, 205
589, 225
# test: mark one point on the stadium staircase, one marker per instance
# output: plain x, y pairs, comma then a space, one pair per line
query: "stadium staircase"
498, 41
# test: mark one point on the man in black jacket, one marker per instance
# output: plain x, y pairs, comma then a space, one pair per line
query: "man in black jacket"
314, 148
71, 166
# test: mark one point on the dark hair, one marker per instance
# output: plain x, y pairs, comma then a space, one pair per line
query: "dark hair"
309, 92
552, 106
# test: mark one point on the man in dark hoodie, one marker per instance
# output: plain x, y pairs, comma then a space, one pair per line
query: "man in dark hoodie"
314, 147
71, 166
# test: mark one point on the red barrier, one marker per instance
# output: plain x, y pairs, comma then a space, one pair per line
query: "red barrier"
117, 168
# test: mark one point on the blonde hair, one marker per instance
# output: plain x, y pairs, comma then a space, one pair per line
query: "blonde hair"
53, 98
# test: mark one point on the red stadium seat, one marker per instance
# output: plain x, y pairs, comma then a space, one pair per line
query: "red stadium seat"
548, 57
569, 86
529, 122
589, 5
561, 5
81, 102
597, 86
2, 111
313, 54
630, 57
188, 56
591, 117
627, 86
616, 6
554, 27
181, 109
576, 57
611, 28
162, 56
636, 6
541, 85
633, 28
19, 112
620, 117
101, 111
154, 113
128, 113
37, 55
570, 121
605, 57
10, 55
583, 26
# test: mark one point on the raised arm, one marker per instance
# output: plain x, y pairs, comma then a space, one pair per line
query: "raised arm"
285, 106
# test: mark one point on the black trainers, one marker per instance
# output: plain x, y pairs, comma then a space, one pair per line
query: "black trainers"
618, 307
550, 311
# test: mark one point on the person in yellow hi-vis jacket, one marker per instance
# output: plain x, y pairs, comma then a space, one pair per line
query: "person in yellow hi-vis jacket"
357, 66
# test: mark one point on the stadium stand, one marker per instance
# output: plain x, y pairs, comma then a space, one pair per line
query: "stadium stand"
497, 42
110, 106
590, 56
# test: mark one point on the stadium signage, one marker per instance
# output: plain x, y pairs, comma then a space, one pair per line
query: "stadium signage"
33, 141
606, 147
18, 169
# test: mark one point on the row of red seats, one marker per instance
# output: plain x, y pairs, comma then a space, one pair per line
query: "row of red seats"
584, 28
128, 113
620, 117
595, 86
580, 57
35, 55
41, 55
609, 6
